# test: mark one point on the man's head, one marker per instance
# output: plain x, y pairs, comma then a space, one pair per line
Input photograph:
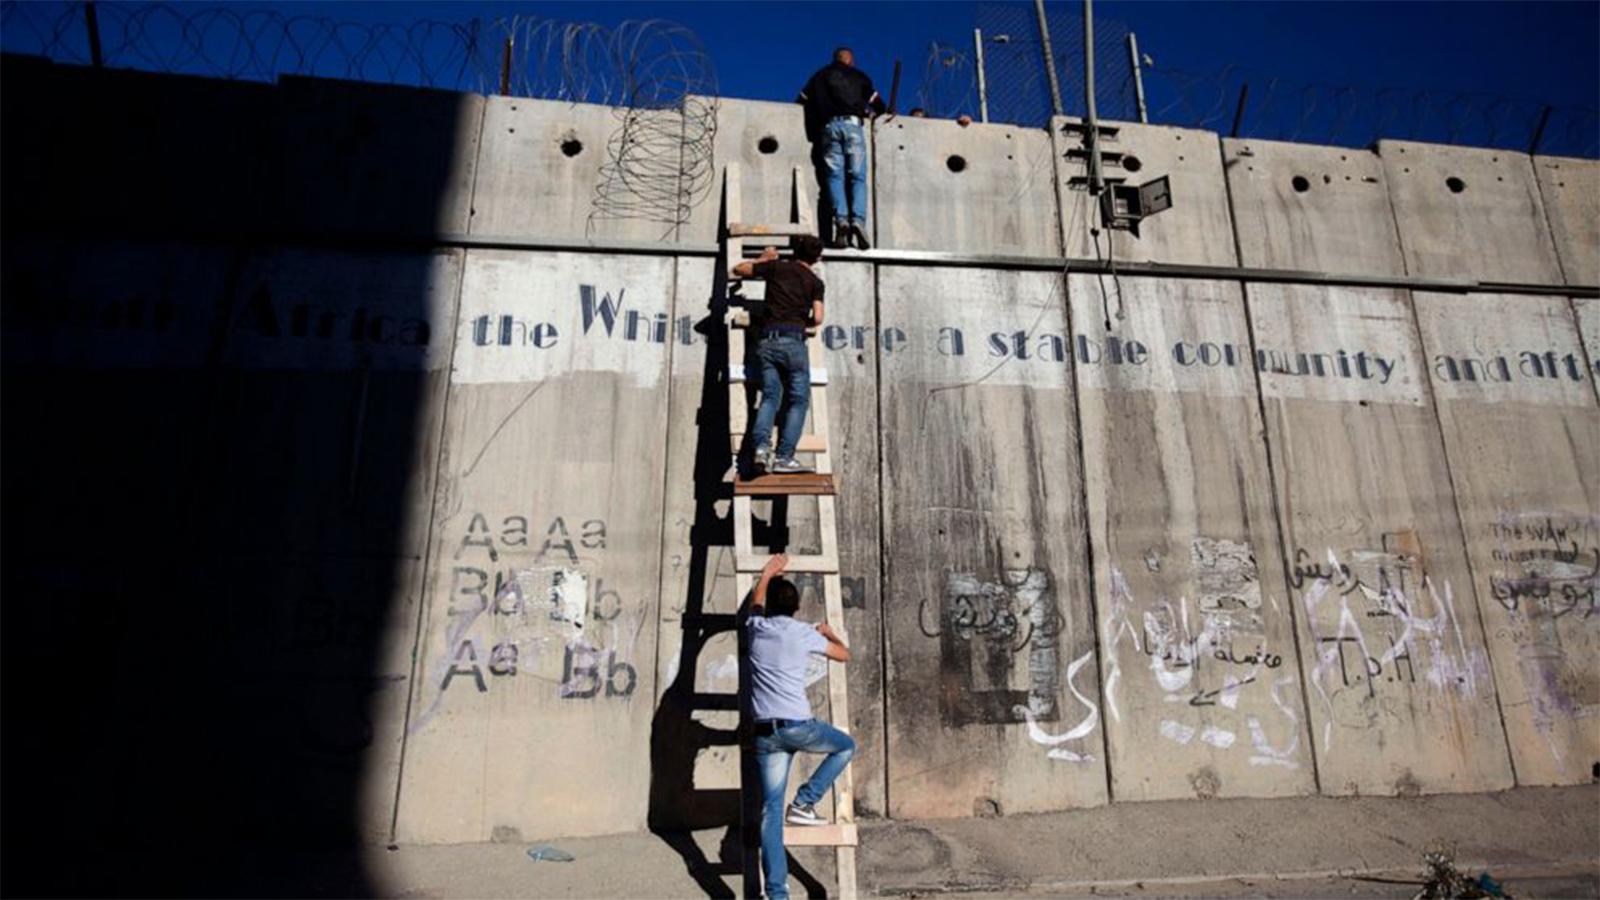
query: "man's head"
844, 55
807, 248
783, 598
919, 112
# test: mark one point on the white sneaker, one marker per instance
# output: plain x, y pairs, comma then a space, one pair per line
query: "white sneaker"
789, 466
803, 815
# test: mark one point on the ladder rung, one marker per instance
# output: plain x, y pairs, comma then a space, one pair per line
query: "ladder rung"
809, 443
819, 835
787, 229
811, 484
820, 565
737, 374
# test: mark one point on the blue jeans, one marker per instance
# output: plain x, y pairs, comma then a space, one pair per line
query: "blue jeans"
786, 373
773, 755
844, 156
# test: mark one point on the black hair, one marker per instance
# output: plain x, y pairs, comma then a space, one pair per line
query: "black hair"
783, 598
918, 111
807, 247
839, 52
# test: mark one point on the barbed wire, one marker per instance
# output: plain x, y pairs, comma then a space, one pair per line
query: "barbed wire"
649, 63
656, 74
1272, 108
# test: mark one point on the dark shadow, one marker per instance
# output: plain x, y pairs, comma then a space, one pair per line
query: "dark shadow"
217, 330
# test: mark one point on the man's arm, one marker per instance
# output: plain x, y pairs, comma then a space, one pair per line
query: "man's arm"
747, 268
773, 568
836, 649
816, 311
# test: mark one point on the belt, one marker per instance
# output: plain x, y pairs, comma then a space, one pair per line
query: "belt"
765, 727
855, 119
778, 331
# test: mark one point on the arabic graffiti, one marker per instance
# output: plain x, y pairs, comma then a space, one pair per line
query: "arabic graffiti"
995, 636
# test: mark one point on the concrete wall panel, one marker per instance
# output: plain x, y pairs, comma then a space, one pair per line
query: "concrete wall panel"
1588, 313
1197, 646
993, 701
767, 141
1398, 682
1319, 209
1523, 436
1570, 189
1198, 229
376, 159
978, 189
536, 671
1468, 212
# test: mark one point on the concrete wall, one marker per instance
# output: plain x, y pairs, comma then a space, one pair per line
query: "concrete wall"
1104, 538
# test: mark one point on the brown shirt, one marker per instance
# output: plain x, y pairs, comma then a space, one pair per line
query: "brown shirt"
791, 286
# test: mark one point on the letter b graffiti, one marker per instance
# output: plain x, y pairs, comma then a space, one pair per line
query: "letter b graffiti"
581, 680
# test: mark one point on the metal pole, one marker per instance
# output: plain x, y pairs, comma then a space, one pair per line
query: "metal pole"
894, 90
1238, 114
1538, 133
983, 90
1049, 59
1138, 77
505, 68
1091, 133
91, 22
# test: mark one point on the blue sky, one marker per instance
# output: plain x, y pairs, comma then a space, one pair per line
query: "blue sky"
1536, 52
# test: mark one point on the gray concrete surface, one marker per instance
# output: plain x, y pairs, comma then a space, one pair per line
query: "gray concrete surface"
1398, 682
1321, 209
1542, 842
978, 189
1522, 434
1196, 635
1466, 212
1570, 189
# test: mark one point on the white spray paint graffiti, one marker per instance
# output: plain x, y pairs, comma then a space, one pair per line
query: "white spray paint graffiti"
1077, 732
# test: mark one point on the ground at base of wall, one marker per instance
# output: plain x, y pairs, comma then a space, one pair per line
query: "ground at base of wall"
1541, 842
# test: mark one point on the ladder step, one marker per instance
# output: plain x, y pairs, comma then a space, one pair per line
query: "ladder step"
737, 374
752, 563
787, 229
809, 484
809, 443
820, 835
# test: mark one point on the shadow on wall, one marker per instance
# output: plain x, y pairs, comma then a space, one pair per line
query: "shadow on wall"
219, 435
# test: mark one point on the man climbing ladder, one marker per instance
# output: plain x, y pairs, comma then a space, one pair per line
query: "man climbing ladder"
780, 650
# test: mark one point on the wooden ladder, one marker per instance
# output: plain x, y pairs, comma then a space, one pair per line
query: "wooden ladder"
748, 563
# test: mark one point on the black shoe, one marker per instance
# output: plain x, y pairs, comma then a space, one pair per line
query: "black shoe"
840, 239
859, 233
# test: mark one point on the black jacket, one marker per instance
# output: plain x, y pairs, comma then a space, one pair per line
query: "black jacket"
837, 90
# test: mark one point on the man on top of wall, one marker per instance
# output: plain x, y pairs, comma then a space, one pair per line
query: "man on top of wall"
837, 98
793, 304
780, 652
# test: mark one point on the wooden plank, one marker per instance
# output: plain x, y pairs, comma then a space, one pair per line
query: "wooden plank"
806, 484
838, 835
741, 229
737, 374
802, 563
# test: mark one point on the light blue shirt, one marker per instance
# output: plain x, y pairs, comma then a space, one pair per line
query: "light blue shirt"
780, 651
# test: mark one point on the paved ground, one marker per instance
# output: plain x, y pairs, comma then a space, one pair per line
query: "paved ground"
1542, 842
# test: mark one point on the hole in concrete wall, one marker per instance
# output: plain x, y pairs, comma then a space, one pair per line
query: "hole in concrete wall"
1326, 179
1301, 185
956, 163
1455, 184
572, 146
768, 144
1132, 163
